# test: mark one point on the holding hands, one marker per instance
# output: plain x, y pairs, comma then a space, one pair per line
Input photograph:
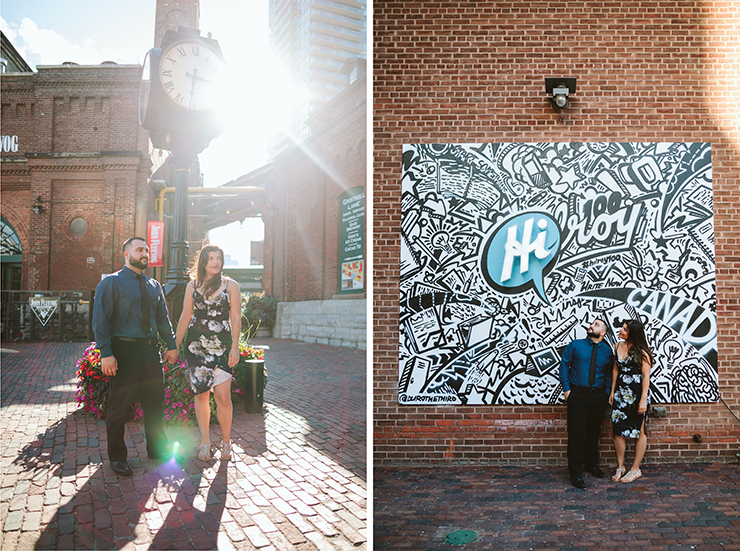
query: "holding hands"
109, 365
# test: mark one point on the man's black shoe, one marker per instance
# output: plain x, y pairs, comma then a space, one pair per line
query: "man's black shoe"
598, 473
578, 482
121, 468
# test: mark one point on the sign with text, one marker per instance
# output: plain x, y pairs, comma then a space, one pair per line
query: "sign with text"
155, 240
44, 307
352, 241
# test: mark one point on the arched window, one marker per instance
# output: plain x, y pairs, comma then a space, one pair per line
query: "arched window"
10, 244
11, 259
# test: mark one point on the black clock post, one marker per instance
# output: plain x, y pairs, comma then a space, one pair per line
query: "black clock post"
177, 275
176, 106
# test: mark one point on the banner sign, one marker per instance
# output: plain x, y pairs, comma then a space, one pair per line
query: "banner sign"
509, 251
44, 307
352, 241
155, 240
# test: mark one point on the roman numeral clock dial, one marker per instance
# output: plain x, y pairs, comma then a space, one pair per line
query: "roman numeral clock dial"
189, 72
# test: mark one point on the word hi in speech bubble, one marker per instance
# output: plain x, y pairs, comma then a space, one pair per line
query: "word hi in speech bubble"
521, 252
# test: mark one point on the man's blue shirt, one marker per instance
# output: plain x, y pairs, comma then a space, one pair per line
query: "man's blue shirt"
117, 311
576, 364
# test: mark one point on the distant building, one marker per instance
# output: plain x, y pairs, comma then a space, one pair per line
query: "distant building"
315, 38
10, 60
257, 253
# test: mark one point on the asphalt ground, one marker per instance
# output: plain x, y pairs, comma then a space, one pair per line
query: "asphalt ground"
297, 480
672, 507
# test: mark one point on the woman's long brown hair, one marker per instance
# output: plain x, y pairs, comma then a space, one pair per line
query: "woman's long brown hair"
636, 341
198, 270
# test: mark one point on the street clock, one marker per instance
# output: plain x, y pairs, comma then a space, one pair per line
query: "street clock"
179, 86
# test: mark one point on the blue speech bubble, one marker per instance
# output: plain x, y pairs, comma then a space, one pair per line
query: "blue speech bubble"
521, 252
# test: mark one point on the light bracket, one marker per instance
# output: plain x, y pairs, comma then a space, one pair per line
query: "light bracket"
560, 88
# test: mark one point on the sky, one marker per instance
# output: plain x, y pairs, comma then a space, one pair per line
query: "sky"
88, 32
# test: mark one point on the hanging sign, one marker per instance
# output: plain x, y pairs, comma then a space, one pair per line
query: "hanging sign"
352, 240
44, 307
155, 239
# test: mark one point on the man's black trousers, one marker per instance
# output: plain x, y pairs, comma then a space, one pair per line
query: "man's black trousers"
140, 371
585, 414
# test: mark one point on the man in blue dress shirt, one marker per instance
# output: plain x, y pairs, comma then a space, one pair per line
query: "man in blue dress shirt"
129, 351
585, 372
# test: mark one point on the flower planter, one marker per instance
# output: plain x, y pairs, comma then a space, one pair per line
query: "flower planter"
93, 388
253, 385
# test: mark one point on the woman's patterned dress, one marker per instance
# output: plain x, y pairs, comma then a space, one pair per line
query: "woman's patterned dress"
625, 419
208, 340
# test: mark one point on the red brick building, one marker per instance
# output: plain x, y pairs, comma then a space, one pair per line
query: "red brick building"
304, 186
76, 182
473, 72
76, 185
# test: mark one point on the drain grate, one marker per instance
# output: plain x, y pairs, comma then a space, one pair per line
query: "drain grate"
461, 537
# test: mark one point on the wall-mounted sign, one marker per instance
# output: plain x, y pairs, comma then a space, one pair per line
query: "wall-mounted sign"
352, 241
509, 251
9, 144
44, 307
155, 240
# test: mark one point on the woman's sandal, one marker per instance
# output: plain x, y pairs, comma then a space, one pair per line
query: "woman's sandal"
631, 476
204, 452
619, 474
225, 451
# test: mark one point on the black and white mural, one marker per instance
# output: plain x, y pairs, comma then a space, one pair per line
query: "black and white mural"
509, 251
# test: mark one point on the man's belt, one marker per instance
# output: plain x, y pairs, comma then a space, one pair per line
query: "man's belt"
144, 342
588, 389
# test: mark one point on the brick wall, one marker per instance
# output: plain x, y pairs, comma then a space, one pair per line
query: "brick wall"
301, 212
461, 72
79, 149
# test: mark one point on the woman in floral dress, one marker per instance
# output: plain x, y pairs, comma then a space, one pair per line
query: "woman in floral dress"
629, 396
211, 317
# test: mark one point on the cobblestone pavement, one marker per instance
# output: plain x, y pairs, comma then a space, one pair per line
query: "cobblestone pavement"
297, 480
672, 507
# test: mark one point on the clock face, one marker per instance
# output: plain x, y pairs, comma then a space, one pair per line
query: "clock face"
189, 72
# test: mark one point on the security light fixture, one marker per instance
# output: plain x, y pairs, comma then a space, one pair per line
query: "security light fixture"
560, 88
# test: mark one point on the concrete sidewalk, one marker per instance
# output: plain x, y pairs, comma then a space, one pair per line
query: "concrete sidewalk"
297, 480
672, 507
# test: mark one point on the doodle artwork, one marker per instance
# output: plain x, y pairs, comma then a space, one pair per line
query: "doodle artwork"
509, 251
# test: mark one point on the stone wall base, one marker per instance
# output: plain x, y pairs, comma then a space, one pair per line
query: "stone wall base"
333, 322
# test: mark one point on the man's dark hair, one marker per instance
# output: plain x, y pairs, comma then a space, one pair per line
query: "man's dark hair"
127, 243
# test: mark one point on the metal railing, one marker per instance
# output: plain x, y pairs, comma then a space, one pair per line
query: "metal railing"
70, 321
